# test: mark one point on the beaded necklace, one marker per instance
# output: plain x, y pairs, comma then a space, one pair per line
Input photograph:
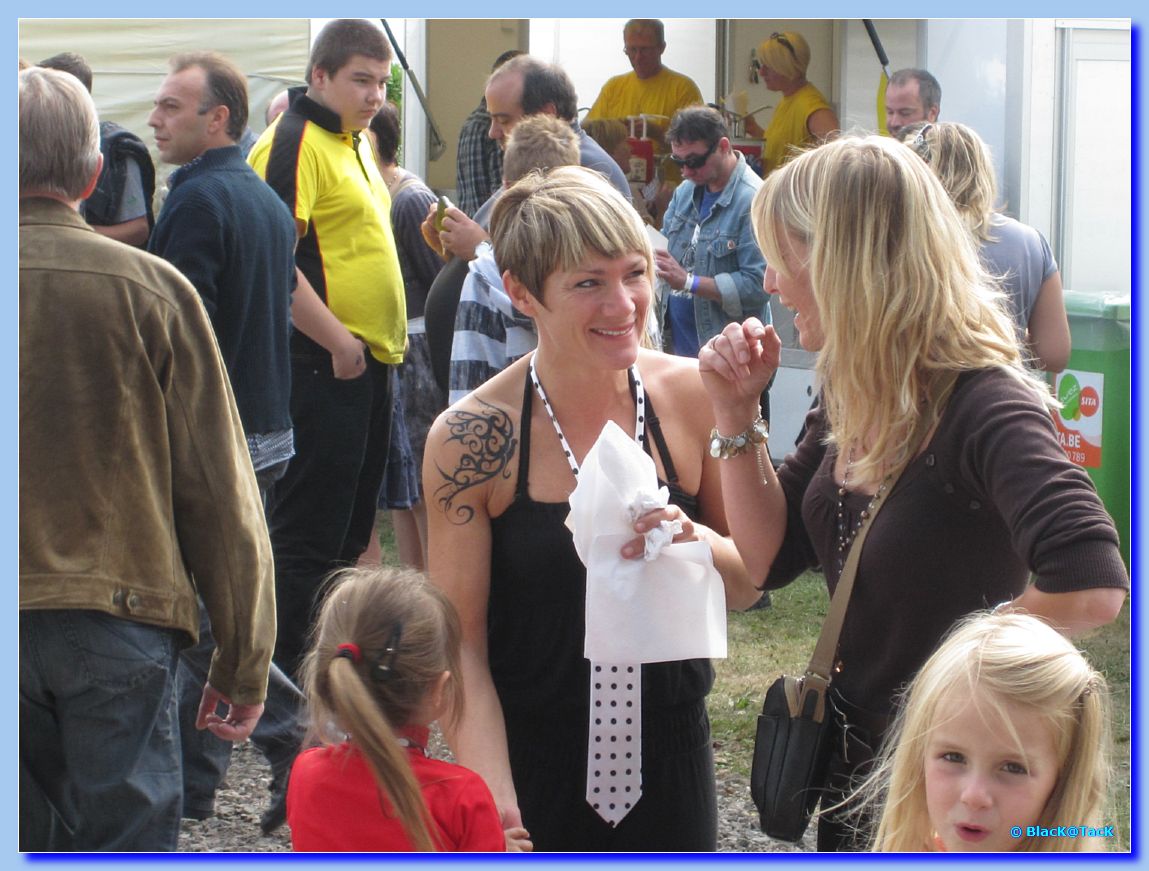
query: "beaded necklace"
639, 408
846, 534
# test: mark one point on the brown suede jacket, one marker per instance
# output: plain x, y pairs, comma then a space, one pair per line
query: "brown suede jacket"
136, 488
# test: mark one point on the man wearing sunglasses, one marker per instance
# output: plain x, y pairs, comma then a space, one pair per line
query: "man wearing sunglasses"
711, 273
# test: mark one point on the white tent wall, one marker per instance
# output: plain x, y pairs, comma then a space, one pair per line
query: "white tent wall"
859, 69
129, 57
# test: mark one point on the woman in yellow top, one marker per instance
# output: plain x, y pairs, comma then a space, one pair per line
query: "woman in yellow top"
803, 116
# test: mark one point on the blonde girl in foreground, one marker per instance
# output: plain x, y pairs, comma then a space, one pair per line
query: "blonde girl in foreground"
384, 665
1005, 730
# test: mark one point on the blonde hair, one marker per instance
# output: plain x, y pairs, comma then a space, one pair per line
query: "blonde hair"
552, 222
788, 54
539, 142
406, 634
1003, 659
607, 132
962, 162
901, 294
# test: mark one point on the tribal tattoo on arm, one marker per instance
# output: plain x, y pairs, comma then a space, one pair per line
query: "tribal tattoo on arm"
488, 442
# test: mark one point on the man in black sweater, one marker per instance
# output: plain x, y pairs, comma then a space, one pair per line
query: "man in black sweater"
234, 239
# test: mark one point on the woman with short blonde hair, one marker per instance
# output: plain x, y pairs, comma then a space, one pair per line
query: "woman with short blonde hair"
500, 467
803, 117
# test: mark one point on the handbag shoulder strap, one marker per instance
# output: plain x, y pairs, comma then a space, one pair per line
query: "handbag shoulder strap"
822, 661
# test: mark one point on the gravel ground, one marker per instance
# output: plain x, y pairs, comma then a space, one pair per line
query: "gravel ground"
235, 827
238, 805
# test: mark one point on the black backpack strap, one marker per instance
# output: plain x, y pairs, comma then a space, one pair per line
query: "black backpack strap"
119, 145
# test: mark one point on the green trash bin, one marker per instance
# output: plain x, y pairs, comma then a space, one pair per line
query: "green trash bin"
1094, 421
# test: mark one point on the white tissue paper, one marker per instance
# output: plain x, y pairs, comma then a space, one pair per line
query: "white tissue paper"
670, 604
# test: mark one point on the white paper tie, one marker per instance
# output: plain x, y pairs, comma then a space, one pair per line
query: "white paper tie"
614, 756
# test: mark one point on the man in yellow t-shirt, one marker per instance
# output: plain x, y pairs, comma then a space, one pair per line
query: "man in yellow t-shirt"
649, 88
349, 314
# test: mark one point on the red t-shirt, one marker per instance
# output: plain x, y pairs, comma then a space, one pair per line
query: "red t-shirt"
334, 804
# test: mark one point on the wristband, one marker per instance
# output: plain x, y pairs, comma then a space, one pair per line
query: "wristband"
688, 285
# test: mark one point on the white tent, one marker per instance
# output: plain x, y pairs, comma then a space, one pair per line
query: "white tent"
129, 57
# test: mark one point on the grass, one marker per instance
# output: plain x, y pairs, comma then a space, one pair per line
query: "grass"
764, 644
780, 639
386, 538
1108, 651
761, 645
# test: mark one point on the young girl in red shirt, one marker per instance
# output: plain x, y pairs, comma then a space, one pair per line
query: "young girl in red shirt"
384, 665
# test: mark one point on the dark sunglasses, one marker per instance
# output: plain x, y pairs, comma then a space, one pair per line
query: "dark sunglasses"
695, 161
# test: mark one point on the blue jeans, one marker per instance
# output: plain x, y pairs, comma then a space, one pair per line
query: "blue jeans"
99, 740
321, 512
277, 735
206, 758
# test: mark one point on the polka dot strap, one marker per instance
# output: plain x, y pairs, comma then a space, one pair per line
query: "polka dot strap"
639, 412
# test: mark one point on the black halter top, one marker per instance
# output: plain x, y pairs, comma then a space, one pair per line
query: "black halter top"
537, 599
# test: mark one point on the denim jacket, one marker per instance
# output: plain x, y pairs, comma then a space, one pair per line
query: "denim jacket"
726, 251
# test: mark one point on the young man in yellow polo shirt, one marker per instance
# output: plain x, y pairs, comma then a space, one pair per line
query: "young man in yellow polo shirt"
349, 316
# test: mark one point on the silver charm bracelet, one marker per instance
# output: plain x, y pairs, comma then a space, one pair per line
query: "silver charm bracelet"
725, 447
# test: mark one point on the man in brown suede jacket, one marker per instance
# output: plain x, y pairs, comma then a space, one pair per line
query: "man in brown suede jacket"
136, 491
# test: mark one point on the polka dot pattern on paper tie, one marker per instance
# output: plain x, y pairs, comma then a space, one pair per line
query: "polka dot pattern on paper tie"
614, 758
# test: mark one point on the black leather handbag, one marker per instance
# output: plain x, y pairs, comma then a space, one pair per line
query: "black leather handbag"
791, 754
